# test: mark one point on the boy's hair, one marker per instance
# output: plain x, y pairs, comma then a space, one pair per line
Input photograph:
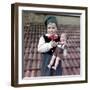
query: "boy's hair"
50, 19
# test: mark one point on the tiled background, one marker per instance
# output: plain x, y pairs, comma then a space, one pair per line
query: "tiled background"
32, 59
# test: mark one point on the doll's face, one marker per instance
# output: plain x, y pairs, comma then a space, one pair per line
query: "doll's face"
51, 28
63, 38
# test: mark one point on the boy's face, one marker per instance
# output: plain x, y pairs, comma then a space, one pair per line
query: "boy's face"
51, 28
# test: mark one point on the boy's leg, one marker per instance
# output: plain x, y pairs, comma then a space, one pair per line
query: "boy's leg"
45, 71
58, 71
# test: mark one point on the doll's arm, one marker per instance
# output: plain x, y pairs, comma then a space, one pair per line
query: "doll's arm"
65, 52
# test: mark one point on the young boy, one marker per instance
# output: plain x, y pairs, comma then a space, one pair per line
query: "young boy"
46, 46
60, 49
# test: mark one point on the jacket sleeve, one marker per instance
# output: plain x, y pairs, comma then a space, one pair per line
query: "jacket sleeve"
43, 46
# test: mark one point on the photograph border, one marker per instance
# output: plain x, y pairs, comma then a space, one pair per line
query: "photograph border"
14, 43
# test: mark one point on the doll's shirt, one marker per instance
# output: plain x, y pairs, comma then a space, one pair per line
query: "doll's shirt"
62, 46
63, 49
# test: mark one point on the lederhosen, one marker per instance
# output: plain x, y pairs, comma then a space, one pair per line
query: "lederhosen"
58, 52
46, 57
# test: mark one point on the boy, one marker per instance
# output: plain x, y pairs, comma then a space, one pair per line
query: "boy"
46, 46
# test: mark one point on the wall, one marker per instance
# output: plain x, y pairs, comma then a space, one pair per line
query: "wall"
39, 17
5, 45
33, 17
68, 20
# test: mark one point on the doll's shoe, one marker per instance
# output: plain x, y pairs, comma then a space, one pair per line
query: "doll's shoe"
49, 66
54, 67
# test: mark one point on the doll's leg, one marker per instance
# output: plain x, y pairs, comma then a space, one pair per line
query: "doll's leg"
58, 58
51, 61
56, 63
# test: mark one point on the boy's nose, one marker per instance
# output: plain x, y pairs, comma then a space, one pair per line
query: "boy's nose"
51, 30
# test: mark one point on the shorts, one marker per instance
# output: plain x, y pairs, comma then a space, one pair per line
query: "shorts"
58, 52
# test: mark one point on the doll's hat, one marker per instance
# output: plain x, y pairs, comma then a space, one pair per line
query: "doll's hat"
50, 19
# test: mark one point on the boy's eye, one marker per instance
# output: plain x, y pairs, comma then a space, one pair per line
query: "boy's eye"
53, 27
49, 27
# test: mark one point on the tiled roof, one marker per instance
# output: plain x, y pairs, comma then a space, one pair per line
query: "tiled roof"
32, 59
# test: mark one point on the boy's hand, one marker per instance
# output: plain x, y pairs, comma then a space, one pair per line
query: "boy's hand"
53, 43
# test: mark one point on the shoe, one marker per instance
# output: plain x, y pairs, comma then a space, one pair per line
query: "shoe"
54, 67
49, 66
